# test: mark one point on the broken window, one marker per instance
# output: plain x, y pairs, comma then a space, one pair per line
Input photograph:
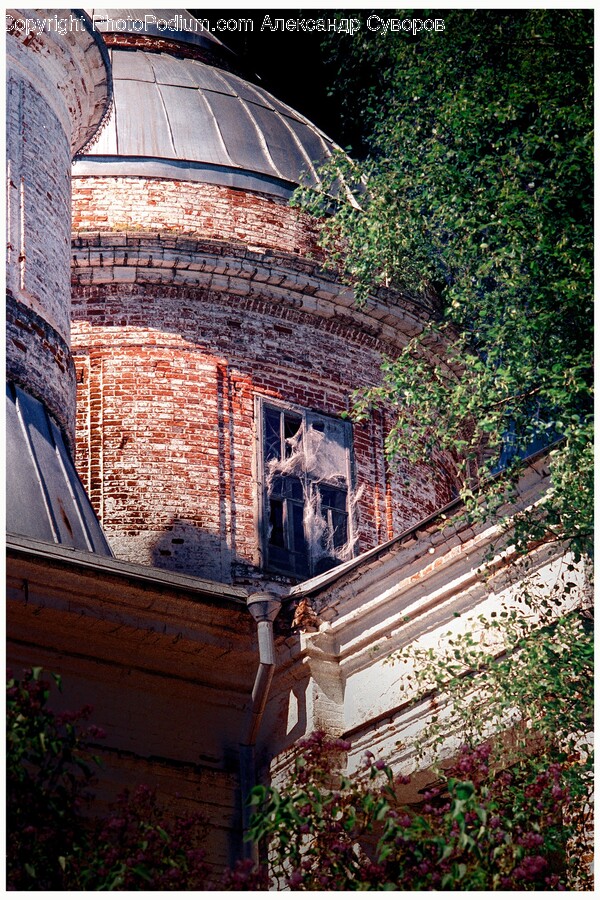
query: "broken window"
305, 469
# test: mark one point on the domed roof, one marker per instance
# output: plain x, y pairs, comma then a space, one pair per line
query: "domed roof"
176, 116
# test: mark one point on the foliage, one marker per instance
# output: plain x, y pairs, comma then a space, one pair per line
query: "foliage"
56, 840
480, 826
135, 849
524, 680
139, 847
477, 828
511, 670
476, 198
49, 772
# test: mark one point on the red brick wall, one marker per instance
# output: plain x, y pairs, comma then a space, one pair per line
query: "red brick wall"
167, 380
181, 207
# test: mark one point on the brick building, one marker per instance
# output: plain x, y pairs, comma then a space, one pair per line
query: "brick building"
220, 486
205, 332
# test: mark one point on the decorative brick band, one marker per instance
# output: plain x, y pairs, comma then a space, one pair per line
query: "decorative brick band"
39, 359
284, 281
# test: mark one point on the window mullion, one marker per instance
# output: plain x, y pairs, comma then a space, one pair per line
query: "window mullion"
281, 435
293, 546
309, 495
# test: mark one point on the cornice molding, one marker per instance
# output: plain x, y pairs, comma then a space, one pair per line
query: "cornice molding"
387, 318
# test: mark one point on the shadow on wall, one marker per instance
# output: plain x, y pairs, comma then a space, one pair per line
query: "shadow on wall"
186, 548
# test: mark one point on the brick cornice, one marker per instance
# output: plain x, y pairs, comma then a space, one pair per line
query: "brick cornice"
285, 280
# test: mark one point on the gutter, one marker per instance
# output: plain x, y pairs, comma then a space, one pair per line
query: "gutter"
264, 607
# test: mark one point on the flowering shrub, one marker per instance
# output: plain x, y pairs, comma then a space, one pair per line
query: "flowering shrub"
475, 829
133, 850
54, 842
49, 771
479, 827
137, 848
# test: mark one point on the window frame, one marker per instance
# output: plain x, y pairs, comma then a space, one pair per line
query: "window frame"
307, 417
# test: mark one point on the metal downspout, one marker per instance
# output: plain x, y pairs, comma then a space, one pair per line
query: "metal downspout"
264, 607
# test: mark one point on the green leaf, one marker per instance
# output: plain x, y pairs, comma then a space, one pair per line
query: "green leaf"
464, 790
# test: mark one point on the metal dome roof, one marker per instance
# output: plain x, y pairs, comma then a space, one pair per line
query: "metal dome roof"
178, 117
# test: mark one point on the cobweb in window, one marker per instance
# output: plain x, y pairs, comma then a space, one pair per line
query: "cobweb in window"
316, 454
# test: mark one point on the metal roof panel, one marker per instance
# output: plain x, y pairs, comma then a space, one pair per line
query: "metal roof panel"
284, 150
193, 125
172, 108
208, 78
142, 124
45, 498
247, 91
131, 65
313, 145
245, 141
26, 508
84, 522
168, 69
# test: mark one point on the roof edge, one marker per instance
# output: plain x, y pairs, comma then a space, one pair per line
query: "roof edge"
437, 520
19, 545
106, 166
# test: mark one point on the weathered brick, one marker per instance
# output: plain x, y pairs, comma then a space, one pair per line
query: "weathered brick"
185, 365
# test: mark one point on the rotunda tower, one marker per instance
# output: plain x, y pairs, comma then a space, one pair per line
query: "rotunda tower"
215, 355
58, 91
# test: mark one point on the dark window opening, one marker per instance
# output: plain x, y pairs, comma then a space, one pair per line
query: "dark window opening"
305, 467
